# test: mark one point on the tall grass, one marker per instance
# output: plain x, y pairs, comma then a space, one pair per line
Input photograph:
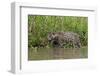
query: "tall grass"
39, 26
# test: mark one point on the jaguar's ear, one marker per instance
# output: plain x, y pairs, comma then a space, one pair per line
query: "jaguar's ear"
53, 33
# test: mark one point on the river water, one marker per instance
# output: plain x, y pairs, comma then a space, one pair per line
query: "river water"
57, 53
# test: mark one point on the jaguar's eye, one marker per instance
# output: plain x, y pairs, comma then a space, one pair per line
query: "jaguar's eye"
49, 40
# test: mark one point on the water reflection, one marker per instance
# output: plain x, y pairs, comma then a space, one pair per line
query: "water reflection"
57, 53
61, 53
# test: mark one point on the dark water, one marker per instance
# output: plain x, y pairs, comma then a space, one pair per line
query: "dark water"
57, 53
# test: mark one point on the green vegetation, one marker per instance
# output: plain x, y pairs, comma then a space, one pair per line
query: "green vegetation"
39, 26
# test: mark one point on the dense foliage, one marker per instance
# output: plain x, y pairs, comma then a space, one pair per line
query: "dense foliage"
39, 26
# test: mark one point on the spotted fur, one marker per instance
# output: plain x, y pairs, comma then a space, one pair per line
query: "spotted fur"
59, 39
